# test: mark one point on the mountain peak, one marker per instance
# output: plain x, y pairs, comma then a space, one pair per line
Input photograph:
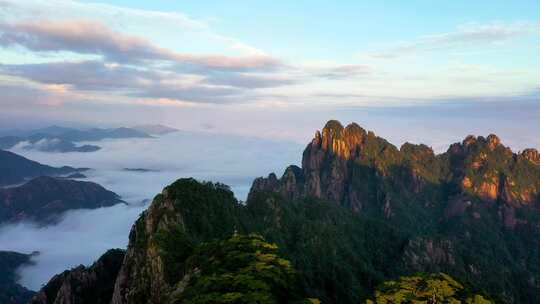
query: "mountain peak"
339, 161
333, 126
531, 155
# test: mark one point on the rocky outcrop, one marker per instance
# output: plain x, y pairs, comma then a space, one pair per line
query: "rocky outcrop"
361, 171
148, 274
327, 171
531, 155
83, 285
428, 255
44, 198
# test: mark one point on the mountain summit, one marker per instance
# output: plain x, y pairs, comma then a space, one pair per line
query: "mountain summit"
360, 170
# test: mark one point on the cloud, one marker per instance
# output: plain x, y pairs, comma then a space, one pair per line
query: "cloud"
346, 71
468, 35
83, 235
22, 96
198, 93
248, 81
93, 37
136, 82
94, 75
86, 75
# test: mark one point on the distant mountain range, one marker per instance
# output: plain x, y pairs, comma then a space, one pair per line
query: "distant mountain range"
61, 139
15, 169
44, 199
155, 129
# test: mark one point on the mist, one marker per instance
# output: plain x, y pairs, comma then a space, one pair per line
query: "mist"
83, 235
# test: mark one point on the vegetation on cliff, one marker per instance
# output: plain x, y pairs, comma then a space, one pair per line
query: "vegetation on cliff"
426, 288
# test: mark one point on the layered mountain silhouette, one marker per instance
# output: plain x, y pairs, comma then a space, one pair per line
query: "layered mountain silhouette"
10, 291
60, 139
154, 129
358, 213
44, 199
15, 169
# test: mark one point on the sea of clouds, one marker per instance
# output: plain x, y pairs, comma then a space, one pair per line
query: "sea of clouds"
83, 235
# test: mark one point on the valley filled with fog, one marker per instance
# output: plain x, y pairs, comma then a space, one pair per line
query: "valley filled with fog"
136, 169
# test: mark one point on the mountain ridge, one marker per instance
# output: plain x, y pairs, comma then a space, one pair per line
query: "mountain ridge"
15, 169
335, 152
44, 198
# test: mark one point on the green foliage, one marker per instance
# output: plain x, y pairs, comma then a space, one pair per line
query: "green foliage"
241, 269
175, 247
208, 210
341, 256
425, 288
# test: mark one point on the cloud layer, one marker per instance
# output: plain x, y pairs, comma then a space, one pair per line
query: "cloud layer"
466, 36
83, 235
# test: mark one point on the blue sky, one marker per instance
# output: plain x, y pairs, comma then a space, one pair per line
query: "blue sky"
230, 61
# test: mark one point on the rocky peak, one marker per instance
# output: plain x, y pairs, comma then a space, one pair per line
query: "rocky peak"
469, 140
493, 141
333, 127
82, 284
359, 170
342, 142
531, 155
416, 152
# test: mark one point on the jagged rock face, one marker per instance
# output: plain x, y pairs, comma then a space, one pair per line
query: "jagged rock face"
326, 171
147, 275
531, 155
339, 254
425, 255
142, 277
359, 170
83, 285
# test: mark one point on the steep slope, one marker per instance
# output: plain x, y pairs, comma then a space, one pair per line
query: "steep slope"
83, 285
16, 169
44, 198
340, 256
367, 174
10, 291
471, 211
328, 245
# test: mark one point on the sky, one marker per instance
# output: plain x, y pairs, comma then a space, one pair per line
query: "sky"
274, 69
249, 82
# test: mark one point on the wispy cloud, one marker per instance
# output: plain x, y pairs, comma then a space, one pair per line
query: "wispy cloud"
215, 87
464, 36
345, 71
92, 37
